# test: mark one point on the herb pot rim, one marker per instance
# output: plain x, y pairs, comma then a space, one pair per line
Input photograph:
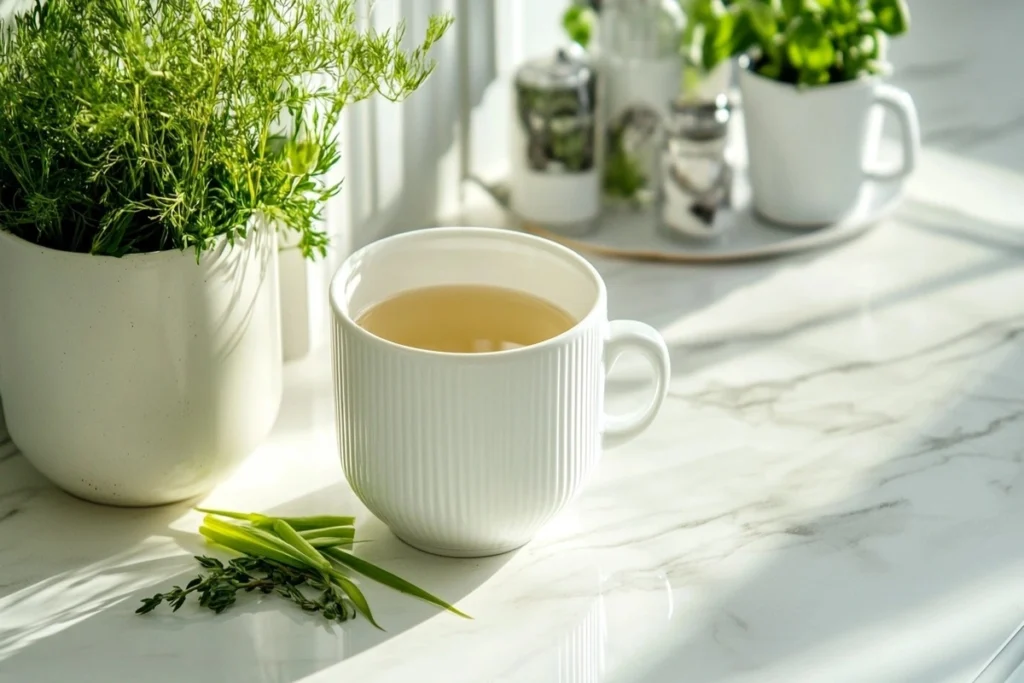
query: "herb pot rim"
137, 258
799, 89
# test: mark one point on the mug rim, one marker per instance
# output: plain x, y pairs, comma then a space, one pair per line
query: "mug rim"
336, 291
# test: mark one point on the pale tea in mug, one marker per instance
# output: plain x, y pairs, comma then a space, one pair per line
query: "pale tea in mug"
465, 319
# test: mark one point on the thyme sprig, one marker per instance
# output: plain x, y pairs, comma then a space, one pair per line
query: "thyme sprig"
218, 588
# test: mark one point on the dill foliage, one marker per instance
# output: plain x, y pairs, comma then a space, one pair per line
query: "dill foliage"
134, 126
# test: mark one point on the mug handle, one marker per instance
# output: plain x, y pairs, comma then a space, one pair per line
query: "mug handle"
901, 104
630, 335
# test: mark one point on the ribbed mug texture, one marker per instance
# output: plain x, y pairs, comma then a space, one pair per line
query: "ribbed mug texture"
459, 454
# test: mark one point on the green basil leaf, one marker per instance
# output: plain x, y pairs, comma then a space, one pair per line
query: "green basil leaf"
700, 11
892, 16
808, 46
578, 23
845, 9
762, 20
869, 46
717, 37
744, 37
772, 70
792, 8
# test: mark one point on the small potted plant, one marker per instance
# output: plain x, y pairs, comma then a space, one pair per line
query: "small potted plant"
810, 78
143, 175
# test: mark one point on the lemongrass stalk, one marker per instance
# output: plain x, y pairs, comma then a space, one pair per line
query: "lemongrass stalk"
329, 532
298, 523
251, 517
386, 578
287, 534
330, 542
355, 594
248, 546
318, 522
262, 537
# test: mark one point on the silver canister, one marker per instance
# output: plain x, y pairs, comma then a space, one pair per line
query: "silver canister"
555, 149
695, 175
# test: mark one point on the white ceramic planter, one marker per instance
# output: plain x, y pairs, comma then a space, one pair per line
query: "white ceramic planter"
139, 380
811, 149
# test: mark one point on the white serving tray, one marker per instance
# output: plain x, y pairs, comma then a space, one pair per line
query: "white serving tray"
633, 233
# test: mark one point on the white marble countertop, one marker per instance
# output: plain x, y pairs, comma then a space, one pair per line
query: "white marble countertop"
833, 491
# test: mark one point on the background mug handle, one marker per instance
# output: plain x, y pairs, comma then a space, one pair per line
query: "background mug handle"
630, 335
901, 104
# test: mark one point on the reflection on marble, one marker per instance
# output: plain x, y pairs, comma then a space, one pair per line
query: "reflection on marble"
832, 493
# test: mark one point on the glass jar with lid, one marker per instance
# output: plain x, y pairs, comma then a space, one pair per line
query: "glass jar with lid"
639, 45
695, 174
555, 144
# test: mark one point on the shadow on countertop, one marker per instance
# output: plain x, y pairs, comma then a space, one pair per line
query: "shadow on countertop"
79, 623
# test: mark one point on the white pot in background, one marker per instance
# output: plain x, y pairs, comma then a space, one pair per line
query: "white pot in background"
303, 292
810, 149
139, 380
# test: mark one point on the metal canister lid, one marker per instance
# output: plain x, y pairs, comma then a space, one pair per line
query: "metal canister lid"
561, 71
699, 120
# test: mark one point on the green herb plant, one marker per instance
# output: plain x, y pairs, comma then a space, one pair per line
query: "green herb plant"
804, 42
624, 178
289, 556
579, 21
144, 126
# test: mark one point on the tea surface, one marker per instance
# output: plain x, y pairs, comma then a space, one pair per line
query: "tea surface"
465, 319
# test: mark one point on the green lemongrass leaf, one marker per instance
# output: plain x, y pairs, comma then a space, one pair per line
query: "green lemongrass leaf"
382, 576
251, 517
334, 542
298, 523
248, 546
355, 594
329, 532
287, 534
317, 522
282, 545
261, 537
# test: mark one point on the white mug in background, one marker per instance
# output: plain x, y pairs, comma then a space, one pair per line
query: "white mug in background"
468, 455
812, 148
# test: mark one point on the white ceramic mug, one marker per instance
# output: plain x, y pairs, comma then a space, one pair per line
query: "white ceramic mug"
468, 455
810, 149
